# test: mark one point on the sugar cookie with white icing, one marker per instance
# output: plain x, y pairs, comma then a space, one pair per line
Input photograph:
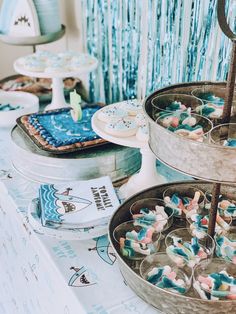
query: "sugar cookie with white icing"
68, 55
140, 119
133, 106
107, 114
121, 127
81, 60
44, 55
57, 67
142, 133
34, 65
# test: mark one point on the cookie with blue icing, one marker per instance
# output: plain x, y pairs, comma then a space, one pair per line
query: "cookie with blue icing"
133, 106
80, 60
34, 65
143, 133
57, 132
123, 127
107, 114
140, 119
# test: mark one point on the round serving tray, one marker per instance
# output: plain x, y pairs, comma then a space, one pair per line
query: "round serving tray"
44, 96
84, 69
116, 161
167, 302
201, 160
33, 40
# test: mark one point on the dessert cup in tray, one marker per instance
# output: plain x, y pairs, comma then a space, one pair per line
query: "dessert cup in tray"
166, 301
203, 160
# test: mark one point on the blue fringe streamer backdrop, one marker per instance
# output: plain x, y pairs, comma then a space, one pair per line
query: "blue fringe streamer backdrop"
143, 45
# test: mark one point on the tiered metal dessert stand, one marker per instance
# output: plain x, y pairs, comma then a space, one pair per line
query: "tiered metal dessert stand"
210, 162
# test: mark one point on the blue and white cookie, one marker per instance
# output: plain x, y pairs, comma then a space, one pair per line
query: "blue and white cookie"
68, 55
140, 119
54, 59
81, 60
44, 55
23, 60
107, 114
133, 106
124, 127
34, 65
142, 133
57, 67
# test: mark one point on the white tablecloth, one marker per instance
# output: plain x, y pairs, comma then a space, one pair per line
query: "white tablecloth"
44, 275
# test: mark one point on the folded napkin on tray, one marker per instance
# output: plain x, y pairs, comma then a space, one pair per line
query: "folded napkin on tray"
78, 204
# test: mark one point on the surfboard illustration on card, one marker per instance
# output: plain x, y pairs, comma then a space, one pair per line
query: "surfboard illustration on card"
81, 204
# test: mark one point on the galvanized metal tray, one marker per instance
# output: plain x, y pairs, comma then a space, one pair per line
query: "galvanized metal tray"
201, 160
167, 302
37, 165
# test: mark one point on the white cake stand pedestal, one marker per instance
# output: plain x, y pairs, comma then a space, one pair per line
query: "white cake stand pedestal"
58, 98
147, 175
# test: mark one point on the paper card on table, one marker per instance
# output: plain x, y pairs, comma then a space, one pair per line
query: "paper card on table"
81, 203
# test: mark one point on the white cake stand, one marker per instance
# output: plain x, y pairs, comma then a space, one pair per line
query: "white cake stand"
147, 175
58, 98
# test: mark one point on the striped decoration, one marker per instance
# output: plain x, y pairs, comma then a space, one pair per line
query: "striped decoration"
144, 45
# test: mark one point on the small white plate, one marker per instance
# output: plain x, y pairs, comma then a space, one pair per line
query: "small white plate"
28, 102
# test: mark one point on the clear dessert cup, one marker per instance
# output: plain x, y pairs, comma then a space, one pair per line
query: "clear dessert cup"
136, 242
198, 225
213, 98
210, 93
226, 245
194, 127
186, 250
224, 135
226, 206
152, 265
206, 288
185, 193
174, 103
152, 212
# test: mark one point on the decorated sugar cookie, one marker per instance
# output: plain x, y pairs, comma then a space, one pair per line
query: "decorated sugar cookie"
133, 106
142, 133
140, 119
34, 65
107, 114
124, 127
